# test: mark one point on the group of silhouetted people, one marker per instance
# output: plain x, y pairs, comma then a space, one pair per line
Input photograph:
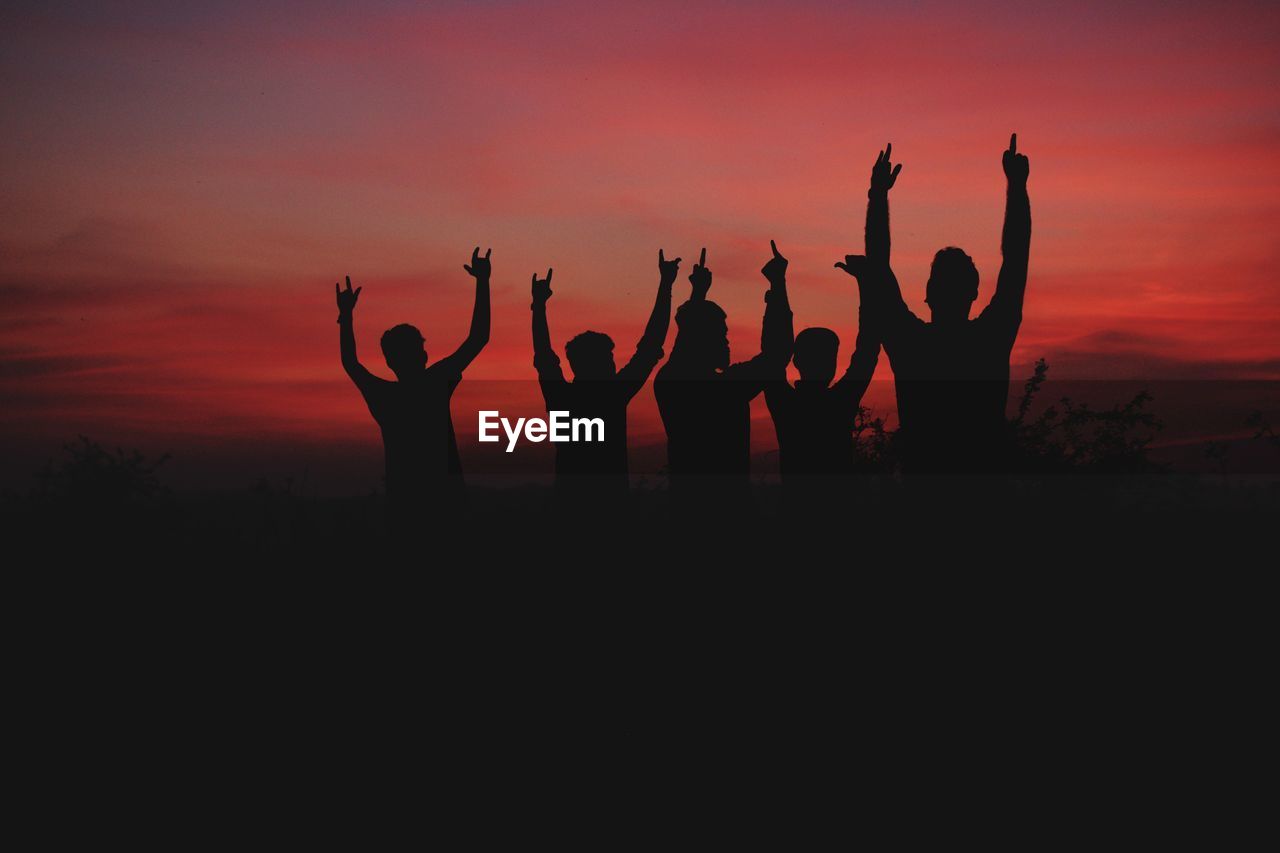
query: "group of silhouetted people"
951, 375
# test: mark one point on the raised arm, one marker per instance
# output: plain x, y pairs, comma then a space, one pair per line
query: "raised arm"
478, 336
544, 357
655, 331
853, 384
883, 302
347, 335
700, 278
883, 176
777, 339
649, 349
1015, 241
777, 332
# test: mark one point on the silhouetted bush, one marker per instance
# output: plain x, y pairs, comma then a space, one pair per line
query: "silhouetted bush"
871, 444
1262, 429
90, 474
1075, 437
1067, 437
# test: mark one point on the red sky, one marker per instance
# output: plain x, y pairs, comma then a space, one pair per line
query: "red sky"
183, 186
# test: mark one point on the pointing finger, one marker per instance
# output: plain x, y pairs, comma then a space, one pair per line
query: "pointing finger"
702, 261
1013, 143
774, 246
348, 282
661, 258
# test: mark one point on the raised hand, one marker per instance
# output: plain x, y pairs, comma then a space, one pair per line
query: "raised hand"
542, 288
667, 270
1016, 166
776, 268
854, 265
883, 173
479, 266
700, 278
346, 298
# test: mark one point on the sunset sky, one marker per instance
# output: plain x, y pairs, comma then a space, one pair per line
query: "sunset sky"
183, 183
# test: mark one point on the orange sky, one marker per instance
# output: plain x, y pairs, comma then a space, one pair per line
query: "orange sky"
183, 185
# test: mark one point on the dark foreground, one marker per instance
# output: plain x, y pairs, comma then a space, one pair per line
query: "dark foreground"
844, 525
1087, 639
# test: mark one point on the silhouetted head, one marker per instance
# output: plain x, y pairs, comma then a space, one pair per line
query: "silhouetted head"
953, 285
815, 355
591, 356
402, 346
702, 336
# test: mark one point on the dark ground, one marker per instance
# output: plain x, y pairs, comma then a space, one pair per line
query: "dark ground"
968, 520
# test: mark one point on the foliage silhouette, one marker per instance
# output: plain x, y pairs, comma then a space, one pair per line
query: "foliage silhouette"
1075, 437
90, 474
1262, 429
872, 444
1067, 437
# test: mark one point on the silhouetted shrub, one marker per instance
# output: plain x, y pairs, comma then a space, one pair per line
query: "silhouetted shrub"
1068, 437
871, 444
90, 474
1075, 437
1262, 429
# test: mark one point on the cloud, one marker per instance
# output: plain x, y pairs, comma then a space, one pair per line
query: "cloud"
1122, 354
18, 367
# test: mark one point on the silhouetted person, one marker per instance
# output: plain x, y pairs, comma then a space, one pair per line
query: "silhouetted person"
952, 373
705, 401
423, 470
814, 419
598, 390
